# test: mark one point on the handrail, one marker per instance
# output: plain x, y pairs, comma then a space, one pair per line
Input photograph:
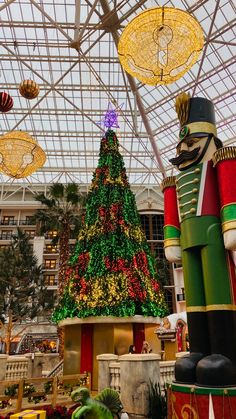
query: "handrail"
58, 389
57, 370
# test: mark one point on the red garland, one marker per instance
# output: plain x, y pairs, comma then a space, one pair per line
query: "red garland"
140, 262
155, 285
82, 264
102, 212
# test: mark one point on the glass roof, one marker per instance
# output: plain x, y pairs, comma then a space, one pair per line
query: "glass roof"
70, 49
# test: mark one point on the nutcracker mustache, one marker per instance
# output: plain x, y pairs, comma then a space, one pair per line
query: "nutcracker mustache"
185, 156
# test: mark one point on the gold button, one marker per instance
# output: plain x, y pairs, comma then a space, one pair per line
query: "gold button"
194, 190
193, 201
196, 180
192, 210
197, 170
180, 206
182, 214
177, 189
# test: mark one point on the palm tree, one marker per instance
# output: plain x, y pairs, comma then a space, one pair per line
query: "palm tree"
63, 206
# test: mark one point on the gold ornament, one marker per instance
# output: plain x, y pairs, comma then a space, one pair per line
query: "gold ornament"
20, 154
160, 45
29, 89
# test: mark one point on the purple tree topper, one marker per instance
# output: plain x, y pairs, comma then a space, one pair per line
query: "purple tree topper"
110, 118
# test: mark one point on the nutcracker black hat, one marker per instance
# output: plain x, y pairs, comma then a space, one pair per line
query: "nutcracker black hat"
196, 116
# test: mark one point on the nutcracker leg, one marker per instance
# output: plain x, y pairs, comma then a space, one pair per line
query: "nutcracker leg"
219, 368
185, 368
195, 301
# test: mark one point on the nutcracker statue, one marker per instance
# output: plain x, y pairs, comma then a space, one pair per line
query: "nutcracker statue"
200, 231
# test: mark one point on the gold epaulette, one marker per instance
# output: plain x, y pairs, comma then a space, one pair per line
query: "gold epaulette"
167, 182
224, 153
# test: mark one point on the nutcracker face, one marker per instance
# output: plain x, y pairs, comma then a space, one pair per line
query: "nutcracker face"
193, 150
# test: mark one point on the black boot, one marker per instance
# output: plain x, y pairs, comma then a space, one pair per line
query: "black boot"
216, 370
185, 368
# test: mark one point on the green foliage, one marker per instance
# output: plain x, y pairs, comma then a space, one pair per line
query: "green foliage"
63, 206
21, 279
157, 402
163, 269
11, 390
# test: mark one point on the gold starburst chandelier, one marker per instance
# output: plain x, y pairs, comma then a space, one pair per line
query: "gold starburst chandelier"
160, 45
20, 154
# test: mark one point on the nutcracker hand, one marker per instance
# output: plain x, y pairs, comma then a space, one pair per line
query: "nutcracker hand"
173, 253
230, 239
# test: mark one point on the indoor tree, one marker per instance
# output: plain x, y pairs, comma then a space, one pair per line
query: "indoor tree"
61, 213
23, 290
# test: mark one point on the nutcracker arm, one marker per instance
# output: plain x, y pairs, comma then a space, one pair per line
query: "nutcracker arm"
224, 160
171, 221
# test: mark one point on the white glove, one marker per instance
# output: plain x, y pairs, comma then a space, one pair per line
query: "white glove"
230, 239
173, 254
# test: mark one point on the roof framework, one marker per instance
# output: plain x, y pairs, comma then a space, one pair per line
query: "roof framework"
70, 49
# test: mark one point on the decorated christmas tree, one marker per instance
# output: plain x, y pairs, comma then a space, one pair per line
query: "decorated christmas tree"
111, 271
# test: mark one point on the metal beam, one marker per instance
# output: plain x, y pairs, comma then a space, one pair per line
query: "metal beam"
106, 9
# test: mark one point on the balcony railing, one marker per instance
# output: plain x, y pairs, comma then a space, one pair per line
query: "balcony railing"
6, 236
17, 222
52, 251
51, 283
8, 222
50, 268
27, 222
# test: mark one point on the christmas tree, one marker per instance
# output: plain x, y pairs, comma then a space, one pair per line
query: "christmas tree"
111, 271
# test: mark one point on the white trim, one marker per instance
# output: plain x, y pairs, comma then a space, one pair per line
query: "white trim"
201, 188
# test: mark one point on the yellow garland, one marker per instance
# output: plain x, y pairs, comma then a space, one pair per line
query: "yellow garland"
117, 181
134, 233
88, 232
98, 296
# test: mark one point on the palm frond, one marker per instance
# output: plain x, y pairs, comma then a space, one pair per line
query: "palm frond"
45, 200
72, 188
57, 190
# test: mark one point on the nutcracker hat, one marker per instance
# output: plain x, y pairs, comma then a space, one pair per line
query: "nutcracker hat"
196, 116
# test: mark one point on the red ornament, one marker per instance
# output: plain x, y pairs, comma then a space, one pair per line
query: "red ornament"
6, 102
102, 212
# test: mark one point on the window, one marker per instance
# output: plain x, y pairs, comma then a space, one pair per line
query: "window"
51, 234
153, 226
28, 220
8, 220
50, 263
50, 280
6, 234
145, 221
30, 233
51, 249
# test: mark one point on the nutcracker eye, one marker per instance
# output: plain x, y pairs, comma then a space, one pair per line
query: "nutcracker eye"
190, 142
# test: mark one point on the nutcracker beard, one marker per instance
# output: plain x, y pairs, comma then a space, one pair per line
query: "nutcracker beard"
185, 156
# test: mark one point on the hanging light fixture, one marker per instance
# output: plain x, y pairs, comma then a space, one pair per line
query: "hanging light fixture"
6, 102
29, 89
20, 154
160, 45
